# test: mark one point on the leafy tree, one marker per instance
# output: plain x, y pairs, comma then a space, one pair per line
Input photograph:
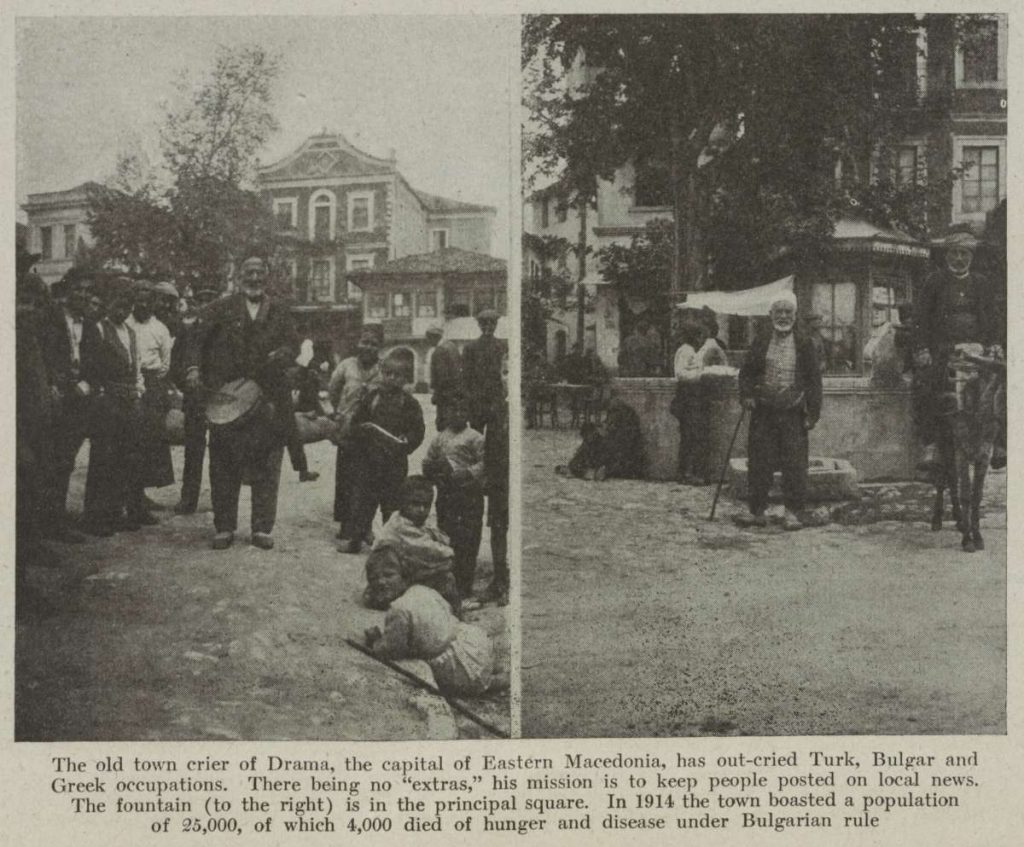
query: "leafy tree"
751, 117
196, 215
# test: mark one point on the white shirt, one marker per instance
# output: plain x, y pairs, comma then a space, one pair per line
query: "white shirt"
687, 364
154, 344
74, 335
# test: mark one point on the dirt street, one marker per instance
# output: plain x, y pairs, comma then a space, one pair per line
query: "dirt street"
641, 618
153, 636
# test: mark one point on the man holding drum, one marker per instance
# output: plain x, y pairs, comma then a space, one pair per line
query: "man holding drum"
238, 357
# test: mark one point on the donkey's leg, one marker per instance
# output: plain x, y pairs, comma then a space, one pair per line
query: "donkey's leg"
977, 492
963, 474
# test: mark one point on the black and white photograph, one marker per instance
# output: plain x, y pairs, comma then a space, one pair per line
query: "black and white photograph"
262, 424
764, 375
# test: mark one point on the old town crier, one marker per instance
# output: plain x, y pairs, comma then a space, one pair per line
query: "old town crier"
238, 357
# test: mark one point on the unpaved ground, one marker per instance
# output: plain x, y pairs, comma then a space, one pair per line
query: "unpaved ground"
167, 639
641, 618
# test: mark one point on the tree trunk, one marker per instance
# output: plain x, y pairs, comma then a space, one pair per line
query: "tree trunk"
581, 289
679, 205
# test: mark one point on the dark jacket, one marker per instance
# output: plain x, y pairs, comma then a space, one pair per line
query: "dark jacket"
808, 372
106, 365
446, 373
481, 368
396, 411
226, 344
953, 311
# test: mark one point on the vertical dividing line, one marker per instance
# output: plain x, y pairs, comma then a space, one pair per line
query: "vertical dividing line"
515, 266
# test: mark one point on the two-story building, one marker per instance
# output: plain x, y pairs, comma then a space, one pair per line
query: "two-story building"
57, 227
443, 289
340, 209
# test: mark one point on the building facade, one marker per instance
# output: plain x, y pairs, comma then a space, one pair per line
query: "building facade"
339, 209
57, 228
410, 295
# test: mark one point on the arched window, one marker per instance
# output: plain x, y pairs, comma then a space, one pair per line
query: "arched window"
323, 215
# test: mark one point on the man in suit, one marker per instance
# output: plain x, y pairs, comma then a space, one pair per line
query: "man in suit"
780, 383
191, 406
246, 335
482, 367
114, 493
446, 383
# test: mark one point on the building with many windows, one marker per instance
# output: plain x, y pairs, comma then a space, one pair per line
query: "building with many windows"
410, 295
339, 209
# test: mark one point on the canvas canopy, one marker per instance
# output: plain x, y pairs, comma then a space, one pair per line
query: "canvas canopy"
750, 302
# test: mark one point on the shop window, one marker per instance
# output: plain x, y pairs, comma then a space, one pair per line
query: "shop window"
401, 304
438, 239
360, 212
285, 214
834, 317
377, 304
906, 165
484, 298
46, 241
981, 52
426, 304
544, 219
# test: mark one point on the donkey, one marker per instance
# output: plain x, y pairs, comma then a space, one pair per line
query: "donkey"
970, 423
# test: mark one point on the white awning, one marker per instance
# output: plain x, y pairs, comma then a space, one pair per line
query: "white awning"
750, 302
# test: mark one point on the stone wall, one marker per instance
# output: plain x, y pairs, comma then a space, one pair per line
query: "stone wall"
869, 427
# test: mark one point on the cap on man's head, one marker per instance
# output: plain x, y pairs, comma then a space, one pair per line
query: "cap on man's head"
206, 295
416, 485
487, 315
143, 285
166, 289
434, 332
959, 237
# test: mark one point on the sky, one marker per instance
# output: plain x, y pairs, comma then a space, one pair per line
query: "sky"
436, 89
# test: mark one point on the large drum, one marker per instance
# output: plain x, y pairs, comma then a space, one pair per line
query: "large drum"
240, 411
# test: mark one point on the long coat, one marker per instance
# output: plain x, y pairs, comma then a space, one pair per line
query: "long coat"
226, 344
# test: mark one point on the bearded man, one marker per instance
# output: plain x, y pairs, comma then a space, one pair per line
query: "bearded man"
245, 336
780, 384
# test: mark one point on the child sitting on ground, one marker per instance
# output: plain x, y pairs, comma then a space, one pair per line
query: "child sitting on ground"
421, 553
420, 625
455, 464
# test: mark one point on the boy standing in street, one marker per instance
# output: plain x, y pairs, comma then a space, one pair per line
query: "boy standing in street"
455, 464
387, 425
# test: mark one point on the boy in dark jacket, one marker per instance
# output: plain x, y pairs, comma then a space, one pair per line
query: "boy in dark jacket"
387, 426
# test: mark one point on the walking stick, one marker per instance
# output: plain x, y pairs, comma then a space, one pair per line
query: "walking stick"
409, 675
725, 464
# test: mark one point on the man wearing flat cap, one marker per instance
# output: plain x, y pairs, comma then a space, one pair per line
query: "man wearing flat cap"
349, 383
446, 382
957, 306
780, 384
481, 368
246, 336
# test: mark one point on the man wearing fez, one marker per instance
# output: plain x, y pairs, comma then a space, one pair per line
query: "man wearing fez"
957, 306
481, 369
246, 336
191, 405
446, 384
780, 383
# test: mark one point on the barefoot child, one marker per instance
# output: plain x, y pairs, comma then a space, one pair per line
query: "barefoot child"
420, 625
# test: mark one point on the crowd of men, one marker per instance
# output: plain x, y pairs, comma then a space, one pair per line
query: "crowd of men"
100, 357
